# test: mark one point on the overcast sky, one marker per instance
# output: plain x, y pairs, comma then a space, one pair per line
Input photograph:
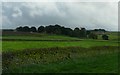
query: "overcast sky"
69, 14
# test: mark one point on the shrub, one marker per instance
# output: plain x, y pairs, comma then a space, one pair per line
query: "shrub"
105, 37
92, 36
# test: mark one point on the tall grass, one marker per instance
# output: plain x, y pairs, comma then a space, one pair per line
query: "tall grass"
12, 60
106, 63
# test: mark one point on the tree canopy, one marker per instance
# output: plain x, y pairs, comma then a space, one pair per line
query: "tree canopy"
61, 30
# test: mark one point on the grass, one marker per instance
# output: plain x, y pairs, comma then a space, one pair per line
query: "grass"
38, 36
112, 36
82, 56
99, 64
82, 60
43, 37
20, 45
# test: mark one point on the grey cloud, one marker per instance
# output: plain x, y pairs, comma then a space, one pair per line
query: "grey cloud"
17, 12
70, 14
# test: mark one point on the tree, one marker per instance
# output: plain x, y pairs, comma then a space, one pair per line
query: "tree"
105, 37
41, 29
26, 29
49, 29
66, 31
83, 32
53, 29
96, 29
76, 32
57, 29
33, 29
88, 32
57, 26
92, 36
63, 30
19, 28
102, 30
69, 31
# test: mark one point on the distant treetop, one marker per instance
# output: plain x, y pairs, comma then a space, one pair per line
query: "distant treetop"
61, 30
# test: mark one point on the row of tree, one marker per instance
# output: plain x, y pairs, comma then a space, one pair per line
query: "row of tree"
55, 29
61, 30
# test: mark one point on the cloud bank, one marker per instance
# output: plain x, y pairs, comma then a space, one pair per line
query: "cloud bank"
69, 14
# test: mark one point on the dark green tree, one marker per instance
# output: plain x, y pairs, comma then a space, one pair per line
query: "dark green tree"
76, 32
26, 29
19, 28
66, 31
83, 33
57, 29
49, 29
92, 36
88, 32
33, 29
105, 37
41, 29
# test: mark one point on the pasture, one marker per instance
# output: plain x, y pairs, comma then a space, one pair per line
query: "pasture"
20, 45
44, 53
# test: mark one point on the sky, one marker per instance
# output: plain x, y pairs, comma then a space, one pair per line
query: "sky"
90, 15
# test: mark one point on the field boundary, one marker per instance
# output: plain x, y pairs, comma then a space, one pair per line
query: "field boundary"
35, 40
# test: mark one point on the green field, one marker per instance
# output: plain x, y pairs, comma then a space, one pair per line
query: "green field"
112, 36
57, 53
93, 64
20, 45
42, 37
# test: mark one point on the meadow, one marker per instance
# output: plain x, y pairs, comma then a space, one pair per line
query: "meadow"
59, 54
21, 45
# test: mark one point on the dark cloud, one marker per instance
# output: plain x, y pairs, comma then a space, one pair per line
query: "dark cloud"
70, 14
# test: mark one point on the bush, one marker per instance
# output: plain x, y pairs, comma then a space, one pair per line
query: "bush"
92, 36
105, 37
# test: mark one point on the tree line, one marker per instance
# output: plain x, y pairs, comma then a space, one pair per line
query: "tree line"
61, 30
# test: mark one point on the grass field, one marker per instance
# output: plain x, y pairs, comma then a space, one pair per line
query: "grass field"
57, 53
44, 58
112, 36
43, 37
95, 64
20, 45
